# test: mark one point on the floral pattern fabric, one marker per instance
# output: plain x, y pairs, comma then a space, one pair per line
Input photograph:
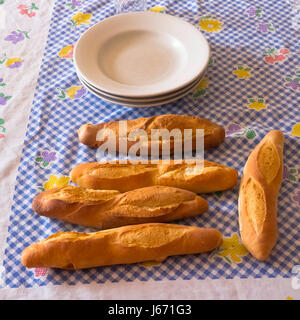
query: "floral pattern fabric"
251, 87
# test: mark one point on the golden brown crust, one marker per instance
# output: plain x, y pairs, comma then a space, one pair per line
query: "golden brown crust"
258, 195
213, 133
129, 244
110, 209
125, 177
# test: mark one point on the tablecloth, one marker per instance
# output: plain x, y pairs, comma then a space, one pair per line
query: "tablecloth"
251, 87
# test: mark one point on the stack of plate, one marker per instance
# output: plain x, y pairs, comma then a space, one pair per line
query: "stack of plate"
141, 59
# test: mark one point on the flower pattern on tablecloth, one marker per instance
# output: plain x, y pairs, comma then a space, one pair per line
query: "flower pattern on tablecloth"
150, 264
66, 52
265, 27
274, 55
232, 249
293, 82
2, 83
296, 130
242, 71
254, 12
17, 36
40, 272
46, 158
73, 4
81, 18
28, 10
290, 174
257, 104
295, 196
208, 24
238, 130
55, 182
218, 194
201, 88
2, 128
11, 63
159, 9
75, 92
4, 99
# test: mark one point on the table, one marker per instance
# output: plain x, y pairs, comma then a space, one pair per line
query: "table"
252, 86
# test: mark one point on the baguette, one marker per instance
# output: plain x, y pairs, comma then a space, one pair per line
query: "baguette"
105, 209
258, 195
126, 177
129, 244
213, 133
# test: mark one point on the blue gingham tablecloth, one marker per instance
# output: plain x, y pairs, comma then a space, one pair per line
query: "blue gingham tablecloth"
251, 87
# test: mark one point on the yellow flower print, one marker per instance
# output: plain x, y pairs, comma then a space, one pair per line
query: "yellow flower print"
75, 92
257, 105
149, 264
289, 298
203, 84
12, 61
80, 18
296, 130
55, 182
158, 9
201, 88
233, 249
210, 25
242, 72
66, 52
72, 91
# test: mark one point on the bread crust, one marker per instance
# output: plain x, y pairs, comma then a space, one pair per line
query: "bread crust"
126, 177
213, 133
129, 244
112, 209
258, 195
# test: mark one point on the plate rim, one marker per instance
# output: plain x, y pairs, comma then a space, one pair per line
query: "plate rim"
140, 99
140, 105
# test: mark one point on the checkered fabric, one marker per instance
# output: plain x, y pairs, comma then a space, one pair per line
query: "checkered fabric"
53, 124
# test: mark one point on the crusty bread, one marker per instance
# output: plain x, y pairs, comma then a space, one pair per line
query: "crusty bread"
258, 195
105, 209
129, 244
213, 133
125, 177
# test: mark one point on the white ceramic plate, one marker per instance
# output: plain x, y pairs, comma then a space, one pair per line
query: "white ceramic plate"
143, 100
141, 54
130, 103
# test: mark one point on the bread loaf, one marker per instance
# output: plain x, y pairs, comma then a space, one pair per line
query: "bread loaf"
105, 209
129, 244
213, 133
125, 177
258, 195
